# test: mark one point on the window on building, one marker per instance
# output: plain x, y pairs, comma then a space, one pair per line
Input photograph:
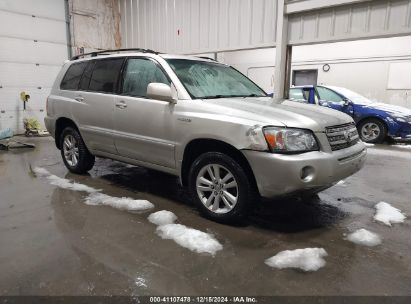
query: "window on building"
305, 77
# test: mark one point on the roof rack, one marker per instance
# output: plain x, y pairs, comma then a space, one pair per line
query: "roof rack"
107, 52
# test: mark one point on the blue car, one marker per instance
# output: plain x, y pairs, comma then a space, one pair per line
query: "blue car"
376, 121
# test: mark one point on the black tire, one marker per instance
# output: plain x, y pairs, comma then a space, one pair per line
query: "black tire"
382, 129
245, 191
85, 160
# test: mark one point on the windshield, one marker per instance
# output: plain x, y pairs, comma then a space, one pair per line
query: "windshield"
204, 79
354, 97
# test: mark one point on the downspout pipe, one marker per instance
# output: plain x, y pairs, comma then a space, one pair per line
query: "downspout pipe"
68, 32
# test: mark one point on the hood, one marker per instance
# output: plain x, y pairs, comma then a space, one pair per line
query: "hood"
388, 108
288, 113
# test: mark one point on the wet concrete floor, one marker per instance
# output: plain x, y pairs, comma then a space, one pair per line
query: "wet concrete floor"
51, 243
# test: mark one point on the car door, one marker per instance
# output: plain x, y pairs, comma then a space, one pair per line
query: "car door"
144, 127
95, 100
331, 99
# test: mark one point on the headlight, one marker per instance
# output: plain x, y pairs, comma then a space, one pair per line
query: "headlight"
401, 118
284, 140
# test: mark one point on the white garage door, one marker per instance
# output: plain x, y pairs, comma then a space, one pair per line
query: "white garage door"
33, 47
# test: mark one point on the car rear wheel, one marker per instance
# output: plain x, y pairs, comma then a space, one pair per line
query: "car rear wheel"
220, 187
74, 152
372, 131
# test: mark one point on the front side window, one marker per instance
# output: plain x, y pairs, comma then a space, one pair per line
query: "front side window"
328, 95
105, 75
138, 74
204, 79
73, 75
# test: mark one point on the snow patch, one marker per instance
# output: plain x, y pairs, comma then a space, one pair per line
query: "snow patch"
162, 217
369, 145
41, 172
389, 153
63, 182
308, 259
190, 238
341, 183
388, 214
140, 282
364, 237
95, 198
403, 146
122, 203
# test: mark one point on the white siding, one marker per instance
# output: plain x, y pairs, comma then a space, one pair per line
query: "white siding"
33, 46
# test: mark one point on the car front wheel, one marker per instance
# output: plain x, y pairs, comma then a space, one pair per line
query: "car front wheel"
74, 152
372, 131
220, 187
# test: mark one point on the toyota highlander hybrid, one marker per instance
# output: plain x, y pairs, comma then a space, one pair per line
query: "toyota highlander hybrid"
200, 120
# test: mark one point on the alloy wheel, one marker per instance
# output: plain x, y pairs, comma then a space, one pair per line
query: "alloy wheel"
370, 131
217, 188
70, 149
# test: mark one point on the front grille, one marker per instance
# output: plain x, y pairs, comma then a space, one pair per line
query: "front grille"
342, 136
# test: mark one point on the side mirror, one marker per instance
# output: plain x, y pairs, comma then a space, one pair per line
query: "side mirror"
323, 103
161, 91
346, 101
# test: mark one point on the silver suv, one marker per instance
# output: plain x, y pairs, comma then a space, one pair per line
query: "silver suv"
202, 121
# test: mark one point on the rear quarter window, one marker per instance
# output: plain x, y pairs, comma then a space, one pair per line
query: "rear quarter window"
105, 75
73, 75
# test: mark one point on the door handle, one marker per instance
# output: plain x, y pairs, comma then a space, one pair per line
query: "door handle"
79, 99
121, 105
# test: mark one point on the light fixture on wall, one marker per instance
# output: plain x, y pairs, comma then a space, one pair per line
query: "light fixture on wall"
326, 67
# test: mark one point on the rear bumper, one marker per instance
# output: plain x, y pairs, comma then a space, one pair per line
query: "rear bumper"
50, 124
279, 174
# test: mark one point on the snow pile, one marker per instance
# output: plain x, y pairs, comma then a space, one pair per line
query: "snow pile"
308, 259
122, 203
95, 198
388, 214
140, 282
162, 217
190, 238
41, 172
364, 237
63, 182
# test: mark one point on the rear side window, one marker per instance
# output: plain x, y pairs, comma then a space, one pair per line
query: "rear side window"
73, 75
138, 74
297, 95
85, 80
105, 75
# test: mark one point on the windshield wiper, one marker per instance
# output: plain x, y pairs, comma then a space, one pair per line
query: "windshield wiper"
217, 96
253, 95
228, 96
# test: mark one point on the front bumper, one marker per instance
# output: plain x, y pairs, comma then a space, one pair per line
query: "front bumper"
282, 174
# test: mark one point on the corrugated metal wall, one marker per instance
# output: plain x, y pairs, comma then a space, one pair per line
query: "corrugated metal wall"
33, 46
371, 19
198, 26
202, 26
